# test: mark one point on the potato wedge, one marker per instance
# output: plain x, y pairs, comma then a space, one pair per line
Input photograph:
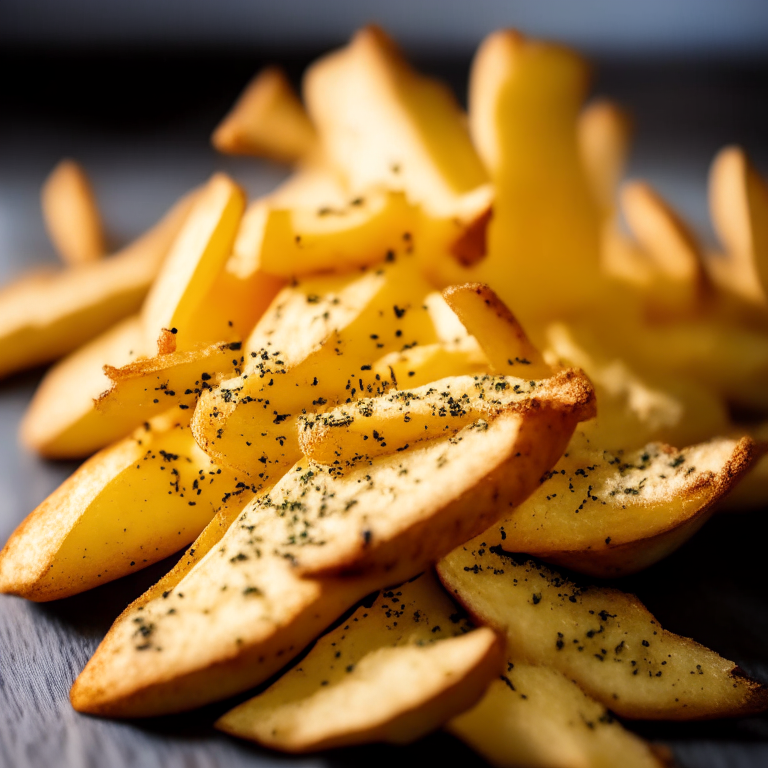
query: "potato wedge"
395, 512
268, 120
196, 258
497, 331
738, 202
71, 214
381, 123
392, 423
524, 104
535, 717
46, 316
369, 229
217, 625
150, 385
666, 262
61, 422
604, 640
133, 504
611, 513
604, 133
393, 671
315, 346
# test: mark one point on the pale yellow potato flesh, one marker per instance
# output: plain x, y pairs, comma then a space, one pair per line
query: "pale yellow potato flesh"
136, 502
267, 120
46, 316
151, 385
604, 134
218, 625
61, 422
315, 346
398, 511
394, 422
392, 671
370, 228
611, 513
71, 215
738, 203
544, 239
431, 362
196, 258
381, 123
496, 329
535, 717
604, 640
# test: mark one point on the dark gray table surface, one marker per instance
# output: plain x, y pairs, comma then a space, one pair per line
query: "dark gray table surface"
146, 145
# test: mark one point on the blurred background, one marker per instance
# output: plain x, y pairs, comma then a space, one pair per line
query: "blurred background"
133, 91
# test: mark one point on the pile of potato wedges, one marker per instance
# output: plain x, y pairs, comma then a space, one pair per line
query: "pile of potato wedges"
381, 405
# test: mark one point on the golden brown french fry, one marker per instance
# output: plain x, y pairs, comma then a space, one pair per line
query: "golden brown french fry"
367, 229
604, 640
44, 317
71, 214
666, 261
319, 336
395, 512
604, 133
497, 331
268, 120
535, 717
381, 123
133, 504
255, 612
611, 513
544, 238
61, 421
393, 671
196, 259
738, 202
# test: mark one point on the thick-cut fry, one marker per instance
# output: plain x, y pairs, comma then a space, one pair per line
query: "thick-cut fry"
535, 717
400, 511
314, 347
225, 623
610, 513
368, 229
666, 262
46, 316
61, 421
604, 133
738, 202
195, 260
71, 215
393, 671
392, 423
543, 241
497, 331
381, 123
602, 639
133, 504
267, 120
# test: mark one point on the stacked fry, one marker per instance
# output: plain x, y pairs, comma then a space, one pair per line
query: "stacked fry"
325, 395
